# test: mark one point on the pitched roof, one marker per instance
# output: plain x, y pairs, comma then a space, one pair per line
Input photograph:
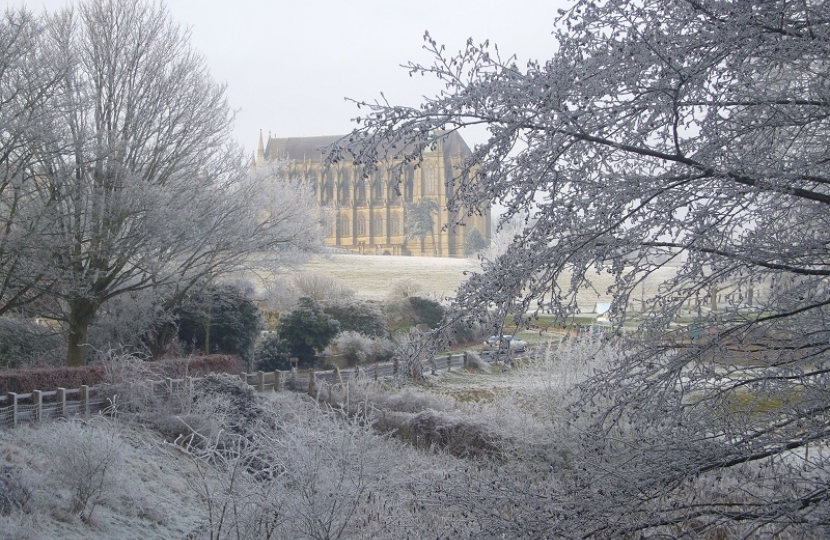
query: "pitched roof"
299, 147
312, 147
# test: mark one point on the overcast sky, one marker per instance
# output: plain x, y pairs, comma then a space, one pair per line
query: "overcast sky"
289, 65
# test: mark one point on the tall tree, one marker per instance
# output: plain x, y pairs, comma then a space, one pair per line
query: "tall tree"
28, 83
141, 184
683, 132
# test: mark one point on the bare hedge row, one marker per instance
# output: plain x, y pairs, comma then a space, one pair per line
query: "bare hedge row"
24, 381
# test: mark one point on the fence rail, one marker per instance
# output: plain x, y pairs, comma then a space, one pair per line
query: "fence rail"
37, 406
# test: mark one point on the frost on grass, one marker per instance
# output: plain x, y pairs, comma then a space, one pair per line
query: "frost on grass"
467, 455
86, 457
314, 473
14, 490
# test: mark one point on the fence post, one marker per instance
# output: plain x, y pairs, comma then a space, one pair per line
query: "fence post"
465, 359
13, 397
168, 382
395, 365
37, 397
60, 397
376, 370
311, 383
260, 381
243, 377
277, 380
85, 400
449, 363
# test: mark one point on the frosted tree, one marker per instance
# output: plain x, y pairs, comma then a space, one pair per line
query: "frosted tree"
683, 132
28, 80
139, 182
419, 220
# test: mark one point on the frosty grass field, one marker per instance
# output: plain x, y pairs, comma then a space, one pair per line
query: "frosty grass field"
370, 276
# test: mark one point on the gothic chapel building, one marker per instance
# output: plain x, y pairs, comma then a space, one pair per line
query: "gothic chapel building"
367, 215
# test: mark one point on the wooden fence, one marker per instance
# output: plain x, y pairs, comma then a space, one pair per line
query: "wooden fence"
38, 405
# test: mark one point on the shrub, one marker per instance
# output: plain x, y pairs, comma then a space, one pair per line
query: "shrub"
23, 342
403, 313
476, 363
129, 321
272, 353
383, 350
221, 319
86, 456
426, 311
306, 330
404, 287
474, 243
363, 317
322, 288
195, 366
14, 493
356, 348
49, 378
466, 332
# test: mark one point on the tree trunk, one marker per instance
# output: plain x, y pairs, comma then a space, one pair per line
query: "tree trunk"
207, 334
81, 313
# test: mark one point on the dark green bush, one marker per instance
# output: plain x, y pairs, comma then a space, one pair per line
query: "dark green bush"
426, 311
307, 330
272, 353
362, 317
221, 319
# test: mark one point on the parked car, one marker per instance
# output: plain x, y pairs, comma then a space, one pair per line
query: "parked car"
503, 344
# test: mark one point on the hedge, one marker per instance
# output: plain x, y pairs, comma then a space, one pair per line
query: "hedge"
23, 381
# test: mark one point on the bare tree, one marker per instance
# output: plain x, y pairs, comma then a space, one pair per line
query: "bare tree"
28, 82
140, 183
689, 133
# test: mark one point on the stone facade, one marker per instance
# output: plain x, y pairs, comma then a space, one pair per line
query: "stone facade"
367, 215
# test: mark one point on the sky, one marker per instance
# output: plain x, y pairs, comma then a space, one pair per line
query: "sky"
289, 66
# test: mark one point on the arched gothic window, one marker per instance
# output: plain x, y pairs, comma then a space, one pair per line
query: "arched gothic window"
345, 188
377, 187
360, 190
377, 224
360, 226
409, 185
394, 225
345, 226
328, 189
430, 186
